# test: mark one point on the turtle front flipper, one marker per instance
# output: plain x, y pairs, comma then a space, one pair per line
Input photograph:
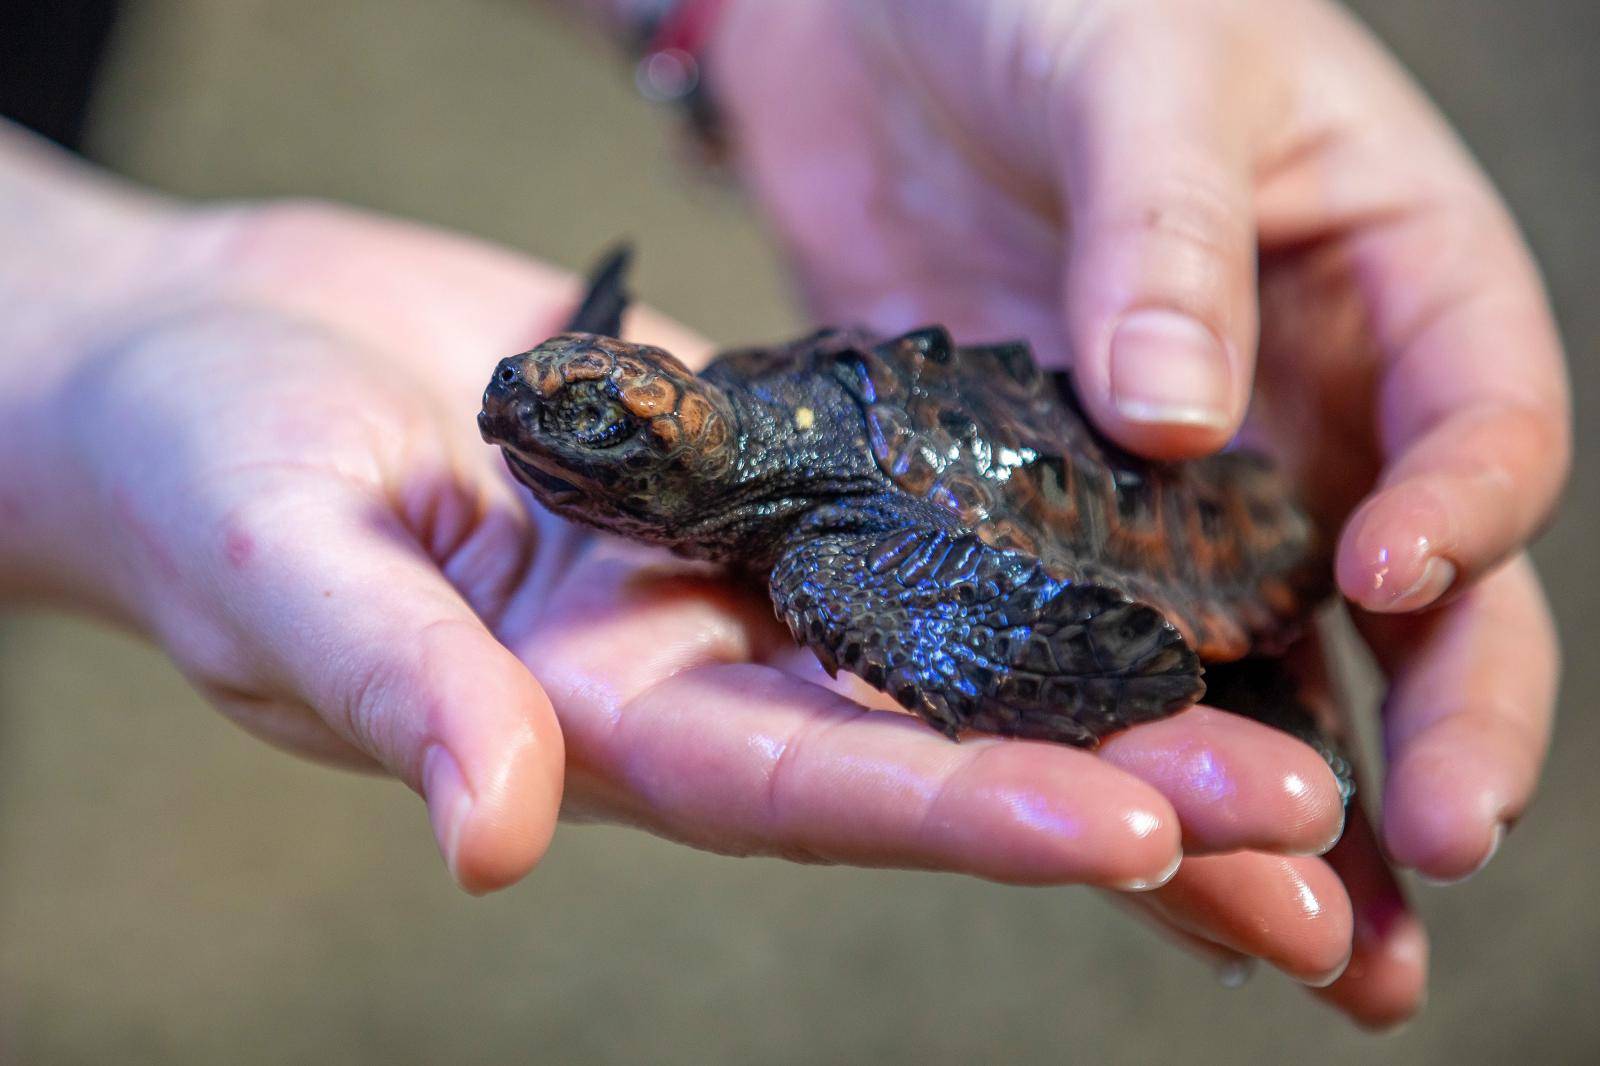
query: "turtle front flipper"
969, 636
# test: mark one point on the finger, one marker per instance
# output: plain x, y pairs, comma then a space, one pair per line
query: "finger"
1473, 405
1236, 784
670, 726
1386, 980
365, 629
1460, 497
1467, 719
746, 759
1292, 913
1160, 290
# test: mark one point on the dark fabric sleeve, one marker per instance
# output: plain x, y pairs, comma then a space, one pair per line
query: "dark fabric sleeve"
50, 56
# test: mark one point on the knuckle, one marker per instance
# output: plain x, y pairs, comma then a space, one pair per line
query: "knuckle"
1190, 218
1548, 434
394, 692
975, 768
787, 784
360, 708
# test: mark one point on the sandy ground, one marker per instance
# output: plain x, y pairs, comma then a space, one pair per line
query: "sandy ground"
171, 891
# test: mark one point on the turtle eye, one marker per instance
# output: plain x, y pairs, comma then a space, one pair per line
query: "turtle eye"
606, 427
594, 419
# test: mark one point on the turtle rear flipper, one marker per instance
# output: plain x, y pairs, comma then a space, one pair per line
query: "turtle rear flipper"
607, 297
1266, 690
970, 636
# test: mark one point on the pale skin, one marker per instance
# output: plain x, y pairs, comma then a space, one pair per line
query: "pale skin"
247, 433
1194, 203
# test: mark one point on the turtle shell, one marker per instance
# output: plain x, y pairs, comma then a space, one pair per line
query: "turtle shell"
1217, 544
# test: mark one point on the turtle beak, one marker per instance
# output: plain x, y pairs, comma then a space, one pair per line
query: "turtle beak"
493, 425
506, 402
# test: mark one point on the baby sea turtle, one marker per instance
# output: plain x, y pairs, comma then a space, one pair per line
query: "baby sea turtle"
940, 520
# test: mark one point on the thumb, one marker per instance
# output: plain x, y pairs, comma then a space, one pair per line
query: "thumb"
1161, 306
358, 623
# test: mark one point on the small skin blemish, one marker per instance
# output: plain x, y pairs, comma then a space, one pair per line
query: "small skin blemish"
238, 546
804, 418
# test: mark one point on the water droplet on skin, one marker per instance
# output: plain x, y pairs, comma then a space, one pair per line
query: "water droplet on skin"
1235, 972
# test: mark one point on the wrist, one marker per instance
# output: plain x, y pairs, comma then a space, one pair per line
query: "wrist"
77, 254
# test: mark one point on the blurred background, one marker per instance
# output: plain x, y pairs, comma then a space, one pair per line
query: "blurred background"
172, 891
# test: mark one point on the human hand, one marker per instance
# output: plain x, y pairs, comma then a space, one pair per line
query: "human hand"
272, 467
1144, 184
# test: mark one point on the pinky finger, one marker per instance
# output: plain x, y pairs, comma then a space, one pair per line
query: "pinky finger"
1289, 911
1386, 980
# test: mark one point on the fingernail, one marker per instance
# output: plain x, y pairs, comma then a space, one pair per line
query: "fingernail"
1337, 834
1495, 840
1147, 884
1323, 980
449, 802
1233, 973
1167, 368
1325, 846
1437, 577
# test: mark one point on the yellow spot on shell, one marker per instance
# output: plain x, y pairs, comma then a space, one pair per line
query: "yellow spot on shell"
804, 418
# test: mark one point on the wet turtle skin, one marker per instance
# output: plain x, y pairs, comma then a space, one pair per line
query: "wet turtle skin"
940, 520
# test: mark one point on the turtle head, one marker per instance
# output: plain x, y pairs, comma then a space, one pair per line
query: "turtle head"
619, 435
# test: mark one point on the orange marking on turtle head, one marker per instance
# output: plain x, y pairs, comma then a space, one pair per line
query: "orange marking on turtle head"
549, 380
650, 397
665, 429
694, 411
589, 365
630, 370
